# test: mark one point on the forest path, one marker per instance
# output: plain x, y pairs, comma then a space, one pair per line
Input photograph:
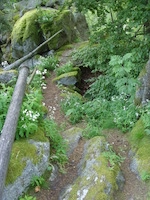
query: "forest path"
134, 189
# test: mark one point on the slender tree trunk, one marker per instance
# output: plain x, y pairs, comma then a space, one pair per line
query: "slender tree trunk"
9, 129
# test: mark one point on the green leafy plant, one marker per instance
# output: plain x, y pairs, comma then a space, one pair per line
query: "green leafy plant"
72, 107
125, 72
124, 112
5, 98
27, 197
37, 181
31, 114
145, 176
113, 158
68, 67
32, 110
58, 145
91, 131
49, 63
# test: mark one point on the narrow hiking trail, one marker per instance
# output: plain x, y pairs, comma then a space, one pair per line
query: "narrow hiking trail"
133, 189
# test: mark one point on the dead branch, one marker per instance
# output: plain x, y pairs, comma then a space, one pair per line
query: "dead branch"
18, 62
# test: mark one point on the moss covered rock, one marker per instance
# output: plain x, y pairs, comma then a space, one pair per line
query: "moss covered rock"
26, 34
96, 181
140, 142
72, 137
67, 79
39, 24
28, 158
7, 76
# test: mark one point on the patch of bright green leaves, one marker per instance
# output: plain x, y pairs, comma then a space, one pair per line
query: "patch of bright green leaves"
37, 181
113, 158
32, 110
27, 197
58, 145
68, 67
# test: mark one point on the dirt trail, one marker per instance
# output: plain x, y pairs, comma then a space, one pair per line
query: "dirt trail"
133, 189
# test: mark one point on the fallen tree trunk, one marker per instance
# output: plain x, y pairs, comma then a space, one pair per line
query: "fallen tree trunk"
9, 129
18, 62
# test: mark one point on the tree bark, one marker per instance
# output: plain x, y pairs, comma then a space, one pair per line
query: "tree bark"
9, 129
18, 62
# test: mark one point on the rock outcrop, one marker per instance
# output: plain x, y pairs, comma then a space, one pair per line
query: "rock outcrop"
29, 158
140, 143
7, 76
96, 179
37, 25
143, 91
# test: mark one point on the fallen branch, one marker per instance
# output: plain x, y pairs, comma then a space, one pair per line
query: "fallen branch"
18, 62
32, 76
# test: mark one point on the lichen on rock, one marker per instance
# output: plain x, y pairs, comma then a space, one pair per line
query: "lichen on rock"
96, 180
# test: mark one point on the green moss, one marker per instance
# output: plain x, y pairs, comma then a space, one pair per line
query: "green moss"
137, 134
26, 27
140, 142
8, 72
143, 72
61, 21
39, 136
21, 151
74, 73
100, 177
66, 92
143, 155
96, 189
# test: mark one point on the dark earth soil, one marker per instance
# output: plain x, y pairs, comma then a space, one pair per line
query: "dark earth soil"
133, 189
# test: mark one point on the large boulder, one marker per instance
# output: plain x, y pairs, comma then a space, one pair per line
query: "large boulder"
7, 76
28, 158
26, 34
37, 25
69, 78
96, 180
140, 143
81, 26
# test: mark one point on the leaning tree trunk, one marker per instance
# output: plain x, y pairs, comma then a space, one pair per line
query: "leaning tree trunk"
9, 129
17, 63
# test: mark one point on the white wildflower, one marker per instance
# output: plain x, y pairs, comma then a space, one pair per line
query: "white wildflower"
38, 72
4, 64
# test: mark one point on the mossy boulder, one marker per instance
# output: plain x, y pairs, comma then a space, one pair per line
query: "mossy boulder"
69, 78
37, 25
95, 181
26, 34
72, 137
81, 26
28, 158
60, 20
7, 76
140, 143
